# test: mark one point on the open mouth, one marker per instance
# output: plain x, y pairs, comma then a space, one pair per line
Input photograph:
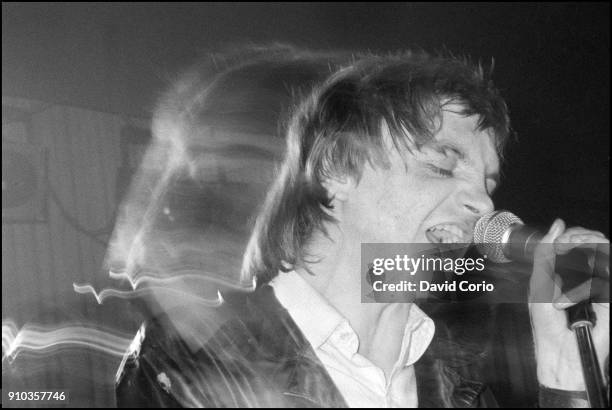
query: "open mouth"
447, 233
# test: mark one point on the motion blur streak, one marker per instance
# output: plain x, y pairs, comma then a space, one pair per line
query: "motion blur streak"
45, 339
131, 294
180, 275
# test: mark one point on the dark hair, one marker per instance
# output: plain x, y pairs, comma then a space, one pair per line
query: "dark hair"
337, 128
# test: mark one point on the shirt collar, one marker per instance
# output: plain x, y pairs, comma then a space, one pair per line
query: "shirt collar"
315, 317
320, 322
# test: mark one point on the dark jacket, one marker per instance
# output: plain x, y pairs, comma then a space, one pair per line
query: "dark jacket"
254, 355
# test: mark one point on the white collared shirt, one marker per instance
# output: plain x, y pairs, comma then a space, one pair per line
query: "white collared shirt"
361, 383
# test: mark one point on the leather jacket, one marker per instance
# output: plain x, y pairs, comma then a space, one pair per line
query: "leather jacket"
254, 355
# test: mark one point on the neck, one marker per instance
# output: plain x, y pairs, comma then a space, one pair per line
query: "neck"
336, 276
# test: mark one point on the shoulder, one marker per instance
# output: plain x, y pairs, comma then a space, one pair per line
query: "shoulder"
229, 357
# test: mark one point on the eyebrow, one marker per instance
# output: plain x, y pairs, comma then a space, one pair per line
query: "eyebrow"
443, 147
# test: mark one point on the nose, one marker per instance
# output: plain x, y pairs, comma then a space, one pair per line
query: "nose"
476, 201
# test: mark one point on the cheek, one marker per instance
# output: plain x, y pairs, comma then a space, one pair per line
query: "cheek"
395, 206
414, 203
371, 206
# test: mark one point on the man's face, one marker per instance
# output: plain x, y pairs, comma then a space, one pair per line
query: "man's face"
432, 195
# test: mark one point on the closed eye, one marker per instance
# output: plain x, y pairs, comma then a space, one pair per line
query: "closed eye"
440, 171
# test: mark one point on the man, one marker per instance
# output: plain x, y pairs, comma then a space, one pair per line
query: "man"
389, 149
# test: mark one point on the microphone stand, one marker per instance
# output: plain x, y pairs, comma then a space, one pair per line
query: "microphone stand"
581, 319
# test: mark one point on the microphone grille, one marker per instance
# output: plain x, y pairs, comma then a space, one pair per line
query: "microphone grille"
489, 231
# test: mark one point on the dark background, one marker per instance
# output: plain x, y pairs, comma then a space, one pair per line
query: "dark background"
551, 64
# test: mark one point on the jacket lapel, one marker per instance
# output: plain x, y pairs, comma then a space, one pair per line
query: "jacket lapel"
304, 380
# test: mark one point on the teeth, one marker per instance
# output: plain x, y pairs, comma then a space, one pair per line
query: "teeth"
445, 233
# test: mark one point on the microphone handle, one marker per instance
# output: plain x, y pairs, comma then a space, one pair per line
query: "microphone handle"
519, 243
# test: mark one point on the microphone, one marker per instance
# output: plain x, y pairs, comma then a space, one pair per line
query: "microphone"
503, 237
